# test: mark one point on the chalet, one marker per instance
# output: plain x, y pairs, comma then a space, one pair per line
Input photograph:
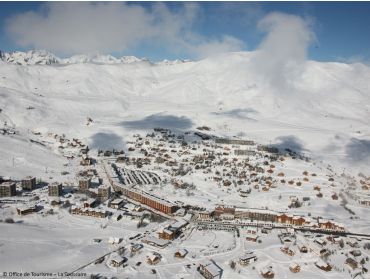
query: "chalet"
153, 258
247, 258
171, 231
27, 209
287, 251
353, 264
320, 241
117, 203
295, 268
181, 253
323, 265
114, 240
97, 213
267, 272
303, 248
166, 234
136, 247
29, 183
284, 219
298, 221
325, 224
210, 270
117, 260
156, 242
324, 253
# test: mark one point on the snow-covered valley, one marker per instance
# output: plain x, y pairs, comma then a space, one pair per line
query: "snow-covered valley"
317, 116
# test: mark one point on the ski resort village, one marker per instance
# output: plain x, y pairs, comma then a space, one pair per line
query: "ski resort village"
186, 205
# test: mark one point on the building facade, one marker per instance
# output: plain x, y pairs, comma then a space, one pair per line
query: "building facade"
29, 183
84, 183
55, 189
7, 189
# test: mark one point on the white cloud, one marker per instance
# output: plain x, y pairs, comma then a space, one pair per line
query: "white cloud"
80, 27
281, 56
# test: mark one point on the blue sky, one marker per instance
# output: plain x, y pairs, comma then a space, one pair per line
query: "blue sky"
171, 31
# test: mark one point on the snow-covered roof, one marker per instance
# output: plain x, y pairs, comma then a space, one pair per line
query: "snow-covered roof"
117, 258
117, 201
266, 269
26, 207
182, 252
179, 224
247, 256
293, 265
90, 201
157, 241
153, 256
212, 267
167, 231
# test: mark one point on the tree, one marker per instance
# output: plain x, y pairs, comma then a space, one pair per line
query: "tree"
232, 264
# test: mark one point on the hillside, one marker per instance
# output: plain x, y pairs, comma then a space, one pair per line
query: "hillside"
323, 111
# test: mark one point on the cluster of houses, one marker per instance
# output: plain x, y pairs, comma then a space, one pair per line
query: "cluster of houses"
362, 198
87, 211
223, 212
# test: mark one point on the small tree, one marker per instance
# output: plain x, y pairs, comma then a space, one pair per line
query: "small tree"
232, 264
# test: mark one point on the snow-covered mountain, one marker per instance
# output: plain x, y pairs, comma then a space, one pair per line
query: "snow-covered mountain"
322, 112
101, 59
42, 57
32, 57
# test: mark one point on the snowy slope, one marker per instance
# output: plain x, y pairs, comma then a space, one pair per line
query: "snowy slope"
324, 112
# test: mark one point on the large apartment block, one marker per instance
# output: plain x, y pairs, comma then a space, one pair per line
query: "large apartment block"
7, 189
55, 189
29, 183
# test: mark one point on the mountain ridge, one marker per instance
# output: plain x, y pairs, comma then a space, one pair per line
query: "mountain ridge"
43, 57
